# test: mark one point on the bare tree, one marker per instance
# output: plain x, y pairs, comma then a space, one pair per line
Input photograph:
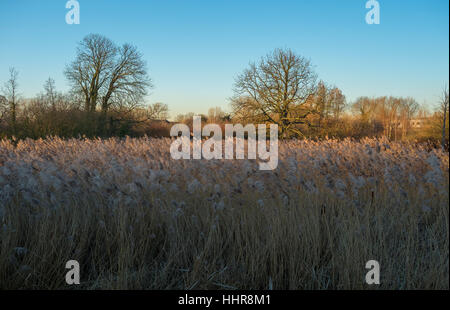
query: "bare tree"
408, 109
105, 74
10, 91
216, 115
365, 108
276, 90
50, 93
444, 107
91, 69
337, 102
158, 111
185, 118
321, 102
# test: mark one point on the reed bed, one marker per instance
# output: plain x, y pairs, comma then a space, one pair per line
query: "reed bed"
136, 219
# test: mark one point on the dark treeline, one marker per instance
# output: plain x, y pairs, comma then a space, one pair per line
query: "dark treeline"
108, 85
58, 114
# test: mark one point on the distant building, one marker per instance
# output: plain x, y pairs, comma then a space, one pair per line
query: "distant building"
160, 121
417, 122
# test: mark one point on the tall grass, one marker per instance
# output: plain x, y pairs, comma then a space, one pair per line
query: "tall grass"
136, 219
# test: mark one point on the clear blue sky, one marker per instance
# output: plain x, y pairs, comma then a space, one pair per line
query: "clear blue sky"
194, 49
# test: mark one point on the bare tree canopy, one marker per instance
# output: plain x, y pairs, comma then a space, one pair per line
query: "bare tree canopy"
158, 111
276, 90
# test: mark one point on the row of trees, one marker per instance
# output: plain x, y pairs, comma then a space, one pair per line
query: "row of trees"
52, 113
109, 84
392, 115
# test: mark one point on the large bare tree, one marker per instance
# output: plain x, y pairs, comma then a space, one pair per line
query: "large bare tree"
276, 90
107, 75
91, 69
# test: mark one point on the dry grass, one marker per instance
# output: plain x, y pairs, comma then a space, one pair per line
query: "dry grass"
135, 219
